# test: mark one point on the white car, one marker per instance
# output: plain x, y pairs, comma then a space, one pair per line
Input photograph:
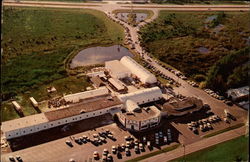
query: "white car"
113, 149
105, 152
160, 134
144, 139
149, 144
127, 151
141, 147
96, 155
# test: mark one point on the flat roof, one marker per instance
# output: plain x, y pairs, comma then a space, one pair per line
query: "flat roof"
188, 105
145, 114
76, 109
24, 122
116, 83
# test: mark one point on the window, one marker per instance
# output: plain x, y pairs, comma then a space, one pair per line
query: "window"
51, 124
59, 122
16, 133
30, 129
80, 117
86, 115
44, 126
100, 112
66, 121
93, 113
23, 131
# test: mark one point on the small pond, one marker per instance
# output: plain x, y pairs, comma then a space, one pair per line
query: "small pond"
203, 50
98, 55
139, 16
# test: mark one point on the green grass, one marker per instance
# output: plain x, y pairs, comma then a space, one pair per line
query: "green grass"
174, 38
233, 150
154, 153
37, 43
224, 130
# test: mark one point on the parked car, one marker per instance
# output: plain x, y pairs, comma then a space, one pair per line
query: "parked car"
127, 151
105, 152
141, 147
148, 143
165, 139
114, 149
136, 148
69, 143
11, 158
96, 155
144, 139
18, 158
160, 134
109, 157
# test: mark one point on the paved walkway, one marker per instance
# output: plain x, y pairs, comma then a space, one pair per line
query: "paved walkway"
205, 143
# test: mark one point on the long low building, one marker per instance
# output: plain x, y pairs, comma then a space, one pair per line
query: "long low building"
77, 97
35, 123
142, 96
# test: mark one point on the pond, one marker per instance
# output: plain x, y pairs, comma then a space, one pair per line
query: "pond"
203, 50
139, 16
98, 55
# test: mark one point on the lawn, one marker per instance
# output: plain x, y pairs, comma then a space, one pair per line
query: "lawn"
36, 44
175, 38
233, 150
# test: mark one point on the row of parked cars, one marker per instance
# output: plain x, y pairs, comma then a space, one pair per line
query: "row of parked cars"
98, 139
16, 158
203, 124
166, 138
219, 97
192, 83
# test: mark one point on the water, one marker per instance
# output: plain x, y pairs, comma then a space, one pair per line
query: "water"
203, 50
98, 55
139, 16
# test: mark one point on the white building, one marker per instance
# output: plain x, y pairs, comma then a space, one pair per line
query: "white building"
138, 119
76, 97
238, 93
144, 75
35, 123
142, 96
117, 70
116, 84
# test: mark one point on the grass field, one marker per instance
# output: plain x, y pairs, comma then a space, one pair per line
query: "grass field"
233, 150
175, 38
36, 42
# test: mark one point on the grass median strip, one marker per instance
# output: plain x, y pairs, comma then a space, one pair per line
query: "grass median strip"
154, 153
224, 130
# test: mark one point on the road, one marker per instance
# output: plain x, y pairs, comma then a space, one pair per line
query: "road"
185, 89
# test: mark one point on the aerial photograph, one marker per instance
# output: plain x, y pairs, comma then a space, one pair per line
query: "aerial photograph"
125, 80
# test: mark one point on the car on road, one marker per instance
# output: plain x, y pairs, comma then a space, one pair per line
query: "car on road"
229, 103
69, 143
96, 155
226, 120
72, 160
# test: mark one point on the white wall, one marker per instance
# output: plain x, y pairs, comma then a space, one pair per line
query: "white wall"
52, 124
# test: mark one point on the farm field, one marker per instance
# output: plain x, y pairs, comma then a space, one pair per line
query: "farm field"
35, 50
196, 40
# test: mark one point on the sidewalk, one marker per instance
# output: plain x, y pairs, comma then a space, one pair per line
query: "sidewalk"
205, 143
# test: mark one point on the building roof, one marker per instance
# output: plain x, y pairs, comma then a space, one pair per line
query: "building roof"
97, 81
146, 113
76, 97
131, 106
143, 74
183, 107
79, 108
238, 92
116, 68
116, 83
142, 96
33, 100
17, 106
96, 73
23, 122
